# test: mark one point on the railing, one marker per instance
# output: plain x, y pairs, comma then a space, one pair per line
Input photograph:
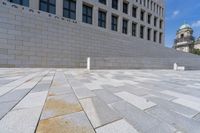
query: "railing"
185, 39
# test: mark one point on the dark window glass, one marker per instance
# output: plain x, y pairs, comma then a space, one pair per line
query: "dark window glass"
160, 37
21, 2
114, 23
115, 4
142, 15
87, 14
48, 6
125, 26
141, 31
155, 36
134, 29
155, 21
102, 19
69, 9
125, 7
144, 2
149, 18
148, 4
134, 11
161, 24
102, 1
148, 34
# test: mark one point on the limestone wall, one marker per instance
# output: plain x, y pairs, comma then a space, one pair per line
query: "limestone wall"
32, 38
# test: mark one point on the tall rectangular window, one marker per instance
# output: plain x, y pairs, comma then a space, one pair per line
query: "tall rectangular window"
155, 21
161, 24
69, 9
142, 31
102, 19
149, 18
155, 36
149, 34
125, 26
142, 15
144, 2
160, 37
20, 2
125, 7
134, 29
115, 4
114, 23
148, 2
134, 11
87, 14
102, 1
48, 6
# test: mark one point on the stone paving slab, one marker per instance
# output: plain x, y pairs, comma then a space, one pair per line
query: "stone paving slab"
120, 126
72, 123
98, 112
60, 105
101, 101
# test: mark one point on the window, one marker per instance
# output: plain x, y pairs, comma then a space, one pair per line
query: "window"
149, 34
134, 11
102, 1
149, 18
125, 26
125, 7
87, 14
155, 36
161, 24
69, 9
142, 31
148, 4
134, 29
115, 4
160, 37
141, 2
102, 19
21, 2
114, 23
151, 5
142, 15
48, 6
144, 2
155, 21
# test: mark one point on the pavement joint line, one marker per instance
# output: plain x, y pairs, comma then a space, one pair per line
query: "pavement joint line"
44, 103
79, 102
109, 123
21, 99
196, 115
21, 83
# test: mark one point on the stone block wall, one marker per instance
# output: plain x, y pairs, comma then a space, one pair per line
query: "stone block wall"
32, 38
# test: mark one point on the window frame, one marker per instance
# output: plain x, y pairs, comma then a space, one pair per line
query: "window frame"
48, 5
102, 19
88, 17
69, 9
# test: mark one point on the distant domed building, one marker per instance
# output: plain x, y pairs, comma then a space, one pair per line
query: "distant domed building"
197, 43
184, 39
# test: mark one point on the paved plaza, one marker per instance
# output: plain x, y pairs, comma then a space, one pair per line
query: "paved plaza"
103, 101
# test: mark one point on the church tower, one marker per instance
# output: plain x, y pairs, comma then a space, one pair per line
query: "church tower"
184, 39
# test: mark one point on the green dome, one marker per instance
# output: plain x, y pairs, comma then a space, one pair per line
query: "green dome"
185, 26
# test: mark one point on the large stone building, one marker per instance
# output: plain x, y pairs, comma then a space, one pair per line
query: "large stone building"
63, 33
185, 41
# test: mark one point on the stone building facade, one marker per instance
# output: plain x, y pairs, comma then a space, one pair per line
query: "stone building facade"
185, 41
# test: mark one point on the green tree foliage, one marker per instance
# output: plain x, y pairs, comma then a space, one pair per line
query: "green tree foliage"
196, 51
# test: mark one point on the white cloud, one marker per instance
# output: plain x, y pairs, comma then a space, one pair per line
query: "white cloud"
196, 24
175, 13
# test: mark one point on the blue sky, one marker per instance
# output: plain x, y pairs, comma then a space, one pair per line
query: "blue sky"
178, 12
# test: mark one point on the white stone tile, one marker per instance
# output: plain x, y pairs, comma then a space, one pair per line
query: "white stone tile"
36, 99
20, 121
190, 104
120, 126
137, 101
182, 96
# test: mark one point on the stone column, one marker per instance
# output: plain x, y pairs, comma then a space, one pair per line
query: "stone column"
34, 4
59, 8
79, 6
95, 16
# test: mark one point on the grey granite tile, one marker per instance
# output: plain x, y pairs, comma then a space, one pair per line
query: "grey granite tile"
98, 112
107, 96
72, 123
